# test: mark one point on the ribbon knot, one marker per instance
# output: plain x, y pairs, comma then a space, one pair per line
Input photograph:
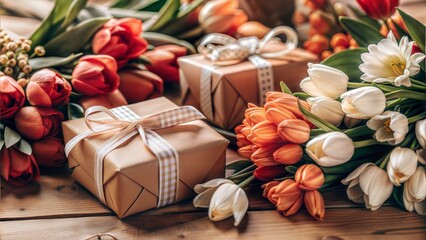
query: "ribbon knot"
127, 124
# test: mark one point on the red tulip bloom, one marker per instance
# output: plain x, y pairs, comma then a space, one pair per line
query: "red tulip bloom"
379, 9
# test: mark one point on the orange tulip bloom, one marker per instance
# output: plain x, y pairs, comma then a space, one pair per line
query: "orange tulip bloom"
288, 196
246, 151
314, 203
268, 173
309, 177
164, 61
289, 104
288, 154
267, 188
255, 115
263, 156
265, 133
316, 44
294, 130
271, 96
276, 115
138, 85
247, 132
242, 140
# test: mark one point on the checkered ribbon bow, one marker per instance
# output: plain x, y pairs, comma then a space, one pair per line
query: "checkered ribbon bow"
225, 50
128, 124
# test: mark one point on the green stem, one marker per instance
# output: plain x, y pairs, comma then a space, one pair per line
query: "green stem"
240, 176
358, 85
358, 131
385, 161
406, 94
417, 117
246, 182
365, 143
417, 82
244, 170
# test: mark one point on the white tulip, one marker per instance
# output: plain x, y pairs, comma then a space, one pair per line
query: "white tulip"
364, 102
421, 132
327, 109
421, 155
368, 184
402, 165
330, 149
415, 192
351, 122
390, 127
223, 198
324, 81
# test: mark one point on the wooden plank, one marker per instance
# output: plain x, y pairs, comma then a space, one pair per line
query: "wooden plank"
385, 223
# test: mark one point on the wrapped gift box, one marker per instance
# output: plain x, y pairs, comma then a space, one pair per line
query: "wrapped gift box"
234, 86
131, 171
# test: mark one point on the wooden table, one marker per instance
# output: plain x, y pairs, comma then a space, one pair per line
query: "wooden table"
59, 208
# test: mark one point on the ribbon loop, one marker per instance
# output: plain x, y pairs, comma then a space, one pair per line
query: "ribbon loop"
128, 124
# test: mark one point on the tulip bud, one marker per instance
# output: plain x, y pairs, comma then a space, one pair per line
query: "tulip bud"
288, 154
268, 173
390, 127
255, 115
316, 44
421, 155
252, 28
324, 81
271, 96
402, 165
339, 39
294, 130
309, 177
321, 21
242, 140
268, 186
283, 105
35, 123
364, 102
246, 151
415, 192
265, 133
326, 54
263, 156
277, 115
330, 149
327, 109
288, 196
314, 203
351, 122
421, 132
378, 9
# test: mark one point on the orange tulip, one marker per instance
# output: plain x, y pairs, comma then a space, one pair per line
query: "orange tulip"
18, 168
321, 21
314, 203
339, 39
242, 140
397, 19
288, 197
289, 104
255, 115
138, 85
35, 123
294, 130
315, 4
277, 115
265, 133
247, 132
288, 154
268, 173
246, 151
49, 152
326, 54
316, 44
309, 177
238, 128
164, 61
262, 156
110, 100
271, 96
267, 188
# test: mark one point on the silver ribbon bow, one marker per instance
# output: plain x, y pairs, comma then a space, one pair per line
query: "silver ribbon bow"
224, 50
128, 124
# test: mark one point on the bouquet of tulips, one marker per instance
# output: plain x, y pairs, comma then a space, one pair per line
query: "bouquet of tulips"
360, 121
73, 66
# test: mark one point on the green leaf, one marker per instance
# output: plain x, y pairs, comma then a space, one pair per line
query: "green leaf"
397, 194
331, 179
11, 137
123, 13
24, 147
73, 40
158, 39
153, 5
291, 169
238, 165
72, 12
348, 62
320, 123
166, 14
75, 111
45, 62
361, 16
415, 28
363, 33
284, 88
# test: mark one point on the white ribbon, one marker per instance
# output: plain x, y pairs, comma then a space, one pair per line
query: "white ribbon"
224, 50
128, 124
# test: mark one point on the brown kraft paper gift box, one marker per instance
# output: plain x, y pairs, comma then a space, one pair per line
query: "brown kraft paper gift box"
131, 171
234, 86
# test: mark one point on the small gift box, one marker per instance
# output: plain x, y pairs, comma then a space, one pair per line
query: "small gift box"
220, 82
141, 156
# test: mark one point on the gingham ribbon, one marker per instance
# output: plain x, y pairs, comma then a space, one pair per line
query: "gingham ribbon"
223, 50
128, 124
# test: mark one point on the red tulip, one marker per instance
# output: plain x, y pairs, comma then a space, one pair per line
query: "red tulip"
18, 168
137, 85
12, 97
35, 123
95, 75
379, 9
110, 100
268, 173
164, 61
120, 38
49, 152
47, 88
